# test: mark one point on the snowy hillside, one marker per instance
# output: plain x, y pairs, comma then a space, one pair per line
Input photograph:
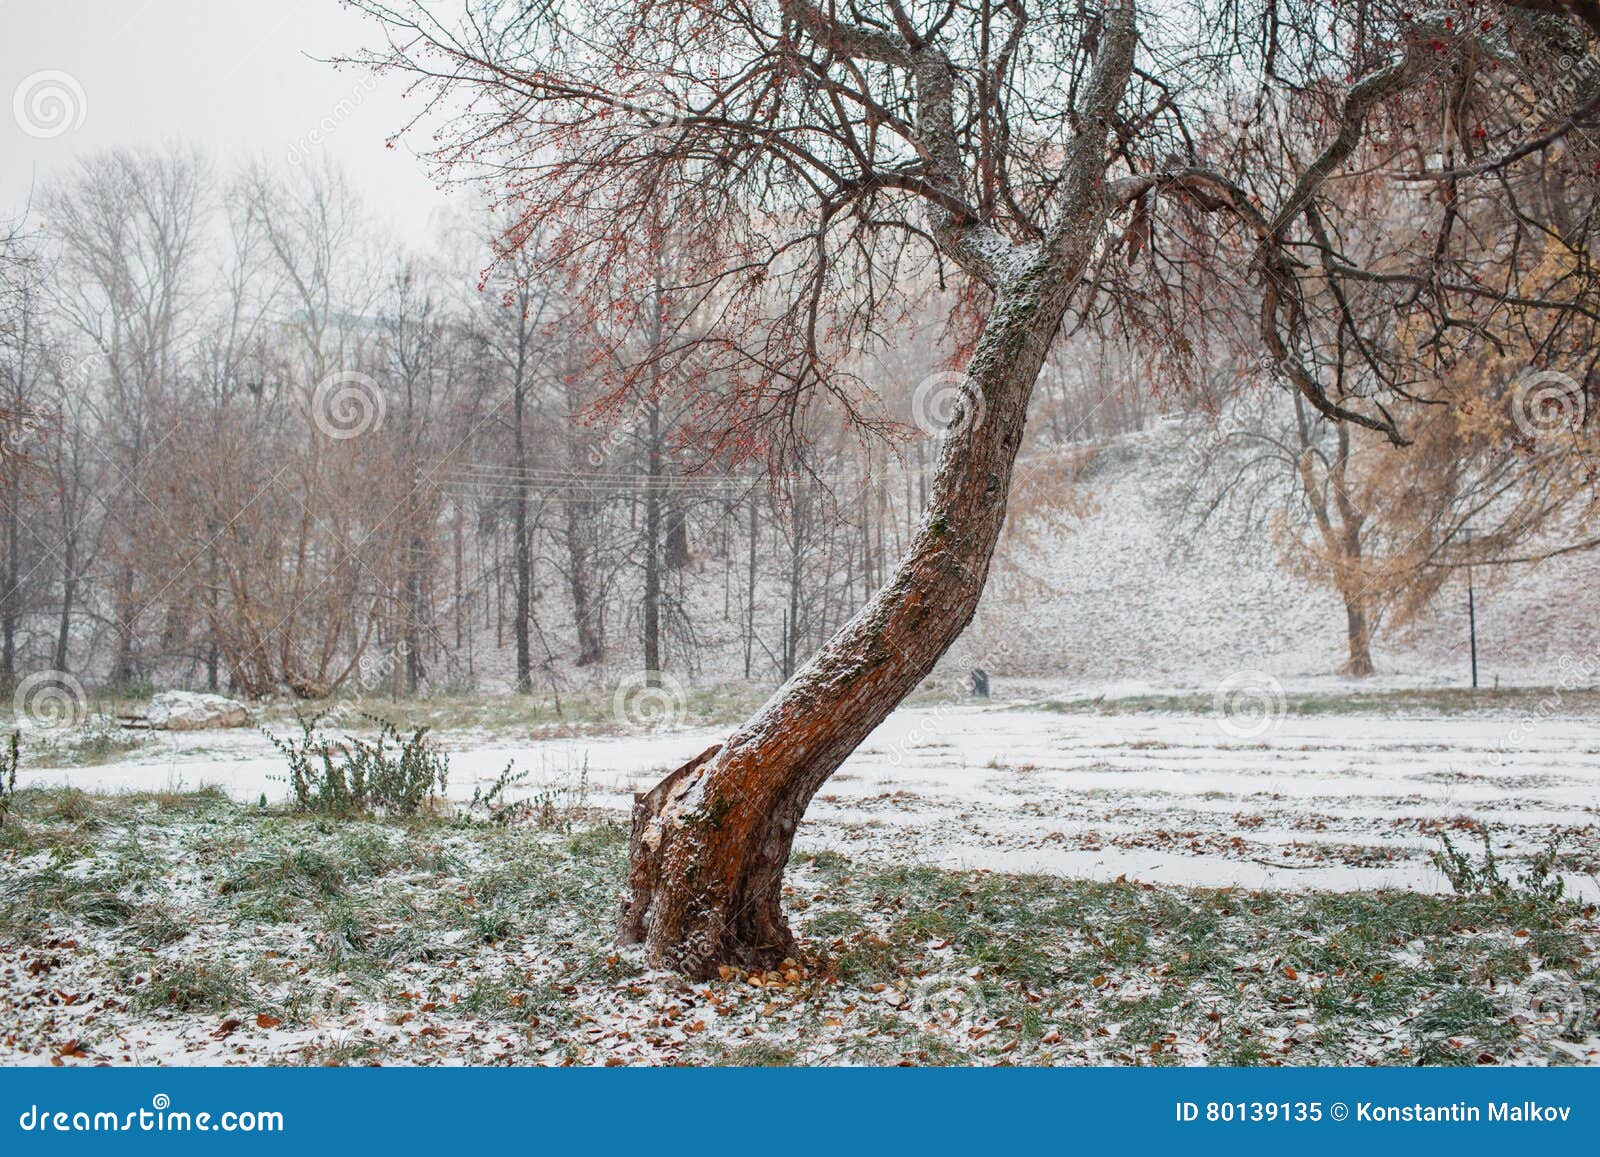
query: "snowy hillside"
1130, 593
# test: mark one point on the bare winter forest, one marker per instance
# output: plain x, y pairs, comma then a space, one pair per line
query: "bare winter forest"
255, 446
912, 508
260, 448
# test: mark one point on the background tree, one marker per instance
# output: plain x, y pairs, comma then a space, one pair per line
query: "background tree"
128, 226
26, 366
519, 315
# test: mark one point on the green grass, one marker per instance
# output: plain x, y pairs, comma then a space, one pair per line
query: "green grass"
33, 899
199, 909
1510, 701
193, 986
1220, 958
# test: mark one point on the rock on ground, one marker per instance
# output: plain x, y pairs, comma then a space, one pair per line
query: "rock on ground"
193, 711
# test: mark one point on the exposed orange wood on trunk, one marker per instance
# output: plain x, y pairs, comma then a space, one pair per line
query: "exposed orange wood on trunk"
706, 887
719, 830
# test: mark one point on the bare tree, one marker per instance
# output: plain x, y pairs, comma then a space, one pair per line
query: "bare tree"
813, 149
25, 363
519, 315
127, 223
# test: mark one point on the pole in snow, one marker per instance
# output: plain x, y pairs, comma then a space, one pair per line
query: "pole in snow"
1472, 629
1466, 534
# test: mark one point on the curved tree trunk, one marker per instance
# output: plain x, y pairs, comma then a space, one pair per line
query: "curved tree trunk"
711, 841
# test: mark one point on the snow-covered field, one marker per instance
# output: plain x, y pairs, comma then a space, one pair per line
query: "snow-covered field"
1016, 883
1324, 801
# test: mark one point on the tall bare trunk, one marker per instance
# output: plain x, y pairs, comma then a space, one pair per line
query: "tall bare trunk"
750, 586
213, 597
69, 590
677, 535
580, 512
652, 552
122, 663
711, 841
522, 553
11, 598
585, 605
416, 600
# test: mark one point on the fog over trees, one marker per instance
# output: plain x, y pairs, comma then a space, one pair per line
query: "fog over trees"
255, 444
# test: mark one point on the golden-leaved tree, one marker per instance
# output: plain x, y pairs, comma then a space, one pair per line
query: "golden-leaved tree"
1502, 472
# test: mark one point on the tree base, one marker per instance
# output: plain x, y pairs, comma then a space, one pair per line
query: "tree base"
1357, 668
696, 897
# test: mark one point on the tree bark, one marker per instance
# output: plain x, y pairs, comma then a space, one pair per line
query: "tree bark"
1358, 635
711, 841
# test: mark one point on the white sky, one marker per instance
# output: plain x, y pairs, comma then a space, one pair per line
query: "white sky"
233, 76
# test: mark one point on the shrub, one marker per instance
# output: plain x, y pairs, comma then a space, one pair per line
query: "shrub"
494, 806
395, 774
1540, 884
553, 804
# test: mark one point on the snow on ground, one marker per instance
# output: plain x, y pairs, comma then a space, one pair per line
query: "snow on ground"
181, 928
1322, 801
174, 928
1133, 589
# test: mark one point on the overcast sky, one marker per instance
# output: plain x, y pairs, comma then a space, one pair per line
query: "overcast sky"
234, 76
